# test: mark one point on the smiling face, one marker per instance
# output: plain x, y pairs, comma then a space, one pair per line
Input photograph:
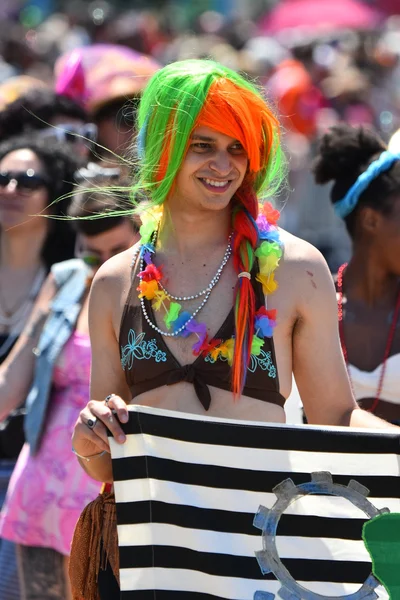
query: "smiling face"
212, 171
19, 204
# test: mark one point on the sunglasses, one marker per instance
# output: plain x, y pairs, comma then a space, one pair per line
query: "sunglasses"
27, 181
67, 132
90, 259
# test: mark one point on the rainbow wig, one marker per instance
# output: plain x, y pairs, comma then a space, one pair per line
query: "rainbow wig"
185, 95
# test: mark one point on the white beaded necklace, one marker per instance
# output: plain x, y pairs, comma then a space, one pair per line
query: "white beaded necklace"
206, 293
213, 281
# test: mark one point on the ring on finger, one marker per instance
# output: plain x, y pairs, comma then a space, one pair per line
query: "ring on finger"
91, 423
108, 398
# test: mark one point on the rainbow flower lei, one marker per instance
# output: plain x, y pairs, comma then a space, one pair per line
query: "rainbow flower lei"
269, 253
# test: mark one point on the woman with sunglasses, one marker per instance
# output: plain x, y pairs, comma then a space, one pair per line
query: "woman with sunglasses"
33, 173
50, 366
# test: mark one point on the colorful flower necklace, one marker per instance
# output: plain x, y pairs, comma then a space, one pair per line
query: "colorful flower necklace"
182, 323
149, 287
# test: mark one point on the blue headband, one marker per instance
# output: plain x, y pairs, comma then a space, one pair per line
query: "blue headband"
347, 204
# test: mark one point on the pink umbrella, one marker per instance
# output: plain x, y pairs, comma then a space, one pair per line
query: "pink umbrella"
318, 16
101, 73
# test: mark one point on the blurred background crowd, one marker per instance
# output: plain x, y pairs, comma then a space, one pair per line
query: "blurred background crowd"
71, 74
320, 63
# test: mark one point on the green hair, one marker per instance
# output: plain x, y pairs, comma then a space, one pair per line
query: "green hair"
169, 109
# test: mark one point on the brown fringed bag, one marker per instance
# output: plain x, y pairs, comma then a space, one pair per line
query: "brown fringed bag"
94, 543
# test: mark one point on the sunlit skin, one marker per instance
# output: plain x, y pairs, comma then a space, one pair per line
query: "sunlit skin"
20, 207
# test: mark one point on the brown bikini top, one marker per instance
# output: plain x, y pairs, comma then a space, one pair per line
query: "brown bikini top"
148, 363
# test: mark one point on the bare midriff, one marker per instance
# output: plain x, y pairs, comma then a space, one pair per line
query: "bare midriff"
182, 397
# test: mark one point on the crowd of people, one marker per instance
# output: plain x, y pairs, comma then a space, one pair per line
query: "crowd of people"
79, 148
47, 265
315, 80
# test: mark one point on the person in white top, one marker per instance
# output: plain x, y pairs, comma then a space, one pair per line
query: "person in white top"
366, 195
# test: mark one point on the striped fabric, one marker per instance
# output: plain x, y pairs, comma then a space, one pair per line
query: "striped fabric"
199, 501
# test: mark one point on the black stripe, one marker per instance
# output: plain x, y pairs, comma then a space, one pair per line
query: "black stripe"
166, 595
212, 476
266, 435
192, 517
226, 565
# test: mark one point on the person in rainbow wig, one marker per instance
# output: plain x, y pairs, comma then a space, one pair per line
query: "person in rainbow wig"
194, 312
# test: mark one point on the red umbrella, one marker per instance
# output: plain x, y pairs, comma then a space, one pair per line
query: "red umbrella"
319, 16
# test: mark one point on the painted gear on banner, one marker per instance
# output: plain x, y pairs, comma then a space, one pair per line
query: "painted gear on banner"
267, 520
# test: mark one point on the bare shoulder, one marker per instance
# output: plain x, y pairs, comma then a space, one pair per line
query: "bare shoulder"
301, 257
298, 253
111, 285
117, 269
303, 271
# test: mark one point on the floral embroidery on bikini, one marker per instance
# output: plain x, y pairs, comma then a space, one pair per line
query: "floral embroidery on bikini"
137, 347
268, 253
263, 361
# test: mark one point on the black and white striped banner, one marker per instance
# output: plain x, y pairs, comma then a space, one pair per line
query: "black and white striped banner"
214, 508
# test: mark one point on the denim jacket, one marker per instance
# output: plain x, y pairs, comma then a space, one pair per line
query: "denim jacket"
71, 279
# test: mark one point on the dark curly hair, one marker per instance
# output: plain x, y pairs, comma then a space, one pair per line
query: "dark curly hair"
60, 166
344, 153
35, 110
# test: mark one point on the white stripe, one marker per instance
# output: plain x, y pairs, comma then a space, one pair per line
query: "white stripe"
139, 490
193, 581
158, 534
230, 588
256, 459
338, 589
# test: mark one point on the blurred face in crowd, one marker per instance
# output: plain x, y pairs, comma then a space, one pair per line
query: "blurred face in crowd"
96, 249
115, 135
23, 190
116, 127
77, 133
